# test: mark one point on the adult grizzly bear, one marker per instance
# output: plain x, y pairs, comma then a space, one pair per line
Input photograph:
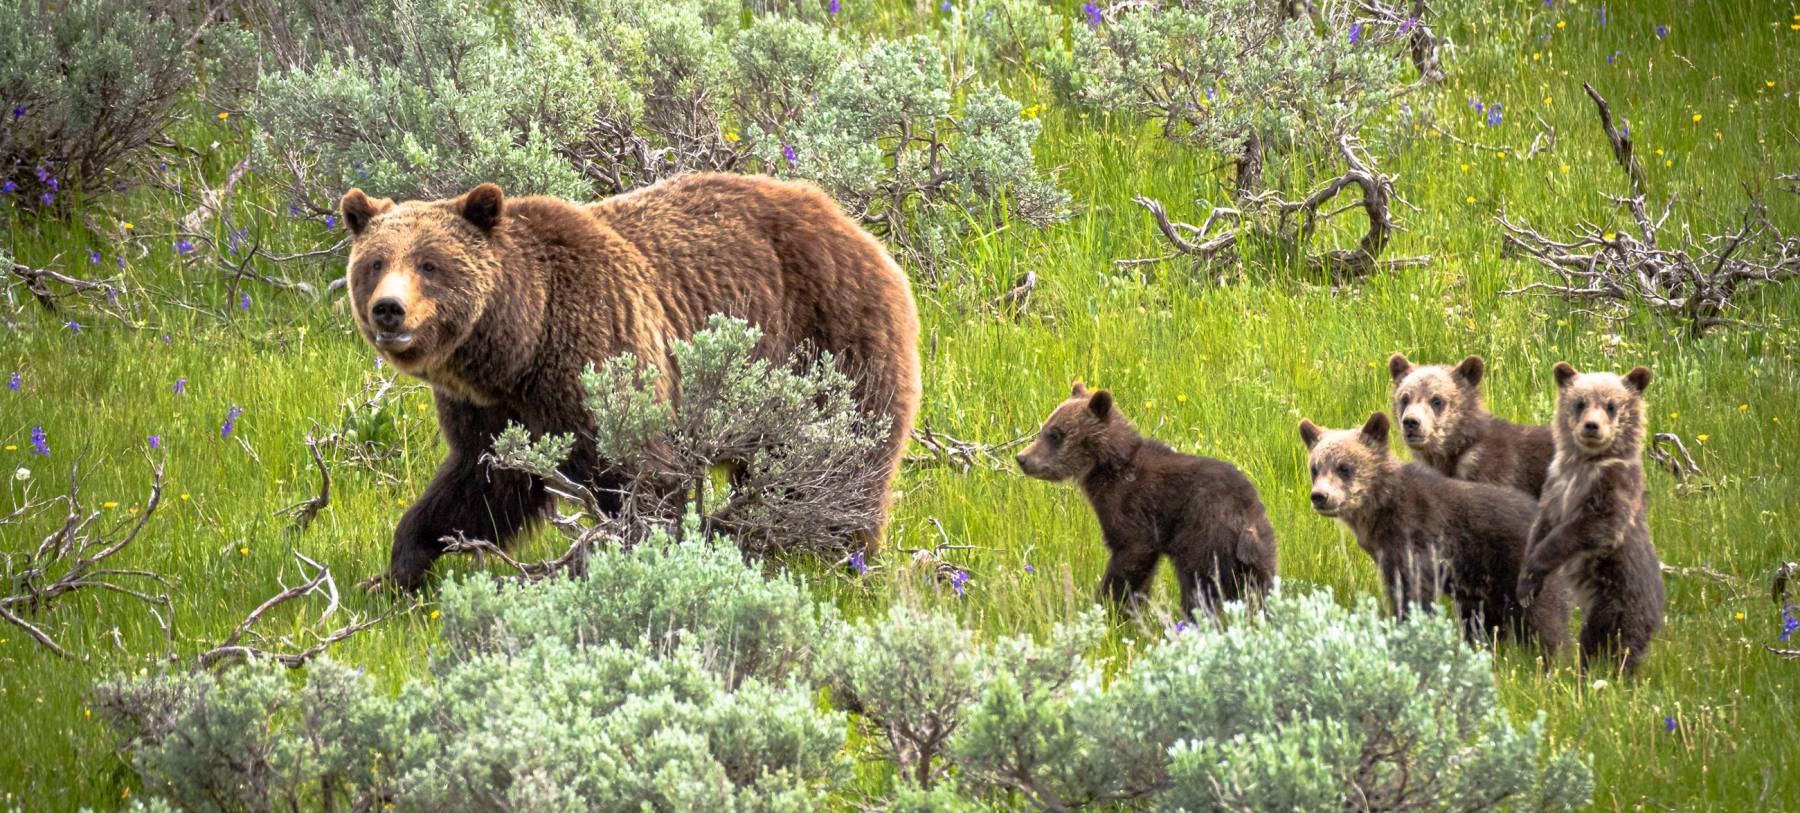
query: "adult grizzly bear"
499, 304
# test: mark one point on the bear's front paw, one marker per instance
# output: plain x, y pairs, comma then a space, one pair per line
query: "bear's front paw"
386, 583
1529, 584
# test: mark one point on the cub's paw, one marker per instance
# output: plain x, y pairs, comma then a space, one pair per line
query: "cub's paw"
1529, 585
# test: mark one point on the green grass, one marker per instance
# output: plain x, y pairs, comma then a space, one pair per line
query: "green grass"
1223, 370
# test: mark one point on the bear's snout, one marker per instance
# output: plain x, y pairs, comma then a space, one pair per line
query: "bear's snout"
388, 313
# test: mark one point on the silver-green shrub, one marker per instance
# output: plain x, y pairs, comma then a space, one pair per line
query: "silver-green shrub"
83, 85
1241, 78
1308, 706
775, 453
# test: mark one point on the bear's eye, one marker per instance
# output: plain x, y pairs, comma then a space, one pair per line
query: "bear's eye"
1055, 436
1580, 407
1343, 470
428, 267
1611, 409
1438, 403
374, 266
1314, 470
1405, 401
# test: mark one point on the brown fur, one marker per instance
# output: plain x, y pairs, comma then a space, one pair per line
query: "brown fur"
1153, 501
1447, 427
1428, 533
506, 300
1591, 525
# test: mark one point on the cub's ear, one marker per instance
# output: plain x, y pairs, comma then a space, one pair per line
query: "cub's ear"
1080, 390
481, 206
1101, 404
1564, 374
1375, 432
1471, 369
358, 209
1398, 366
1310, 433
1638, 379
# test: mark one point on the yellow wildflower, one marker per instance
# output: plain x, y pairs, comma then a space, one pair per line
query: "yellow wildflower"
244, 551
1740, 616
1502, 155
1696, 118
1465, 167
435, 614
184, 496
1471, 198
223, 115
1743, 407
109, 504
12, 447
1561, 24
1181, 399
1546, 101
1565, 169
731, 137
1703, 438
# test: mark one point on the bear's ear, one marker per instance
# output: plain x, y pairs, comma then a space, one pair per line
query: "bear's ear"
1471, 369
1375, 432
482, 206
1310, 432
1638, 379
358, 209
1080, 390
1101, 404
1398, 366
1565, 373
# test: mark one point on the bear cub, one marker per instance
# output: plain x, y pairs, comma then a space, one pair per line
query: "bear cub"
1591, 523
1153, 501
1445, 424
1430, 534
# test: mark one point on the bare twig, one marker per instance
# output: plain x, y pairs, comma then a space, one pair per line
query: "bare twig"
303, 512
1620, 140
962, 454
1018, 297
320, 581
1682, 467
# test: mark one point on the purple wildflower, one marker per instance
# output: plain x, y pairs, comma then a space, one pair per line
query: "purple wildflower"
1355, 33
1030, 569
1493, 119
40, 444
1547, 3
120, 262
244, 301
787, 151
1603, 14
331, 221
73, 326
43, 175
14, 382
1408, 24
293, 210
857, 564
1625, 131
112, 296
20, 110
47, 198
959, 582
235, 238
155, 441
230, 423
1612, 56
93, 257
166, 340
1790, 623
1480, 108
9, 187
836, 6
183, 247
1094, 16
1669, 722
945, 6
1183, 625
1662, 31
181, 386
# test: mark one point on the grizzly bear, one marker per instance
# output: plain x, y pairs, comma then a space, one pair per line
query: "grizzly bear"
1153, 501
1591, 525
500, 303
1445, 424
1430, 534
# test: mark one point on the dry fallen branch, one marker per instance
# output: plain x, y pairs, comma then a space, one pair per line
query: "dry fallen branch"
1267, 215
1696, 281
287, 650
303, 512
1018, 297
73, 557
962, 454
1683, 466
573, 560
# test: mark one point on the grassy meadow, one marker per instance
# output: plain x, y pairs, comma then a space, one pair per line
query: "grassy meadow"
1217, 367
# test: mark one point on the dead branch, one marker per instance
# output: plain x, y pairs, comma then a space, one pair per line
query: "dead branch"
213, 201
962, 454
1018, 297
573, 560
1295, 221
1620, 140
303, 512
75, 557
38, 282
1682, 467
283, 650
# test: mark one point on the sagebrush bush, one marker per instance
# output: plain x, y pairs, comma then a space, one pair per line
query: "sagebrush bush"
1236, 77
673, 676
586, 98
84, 85
798, 455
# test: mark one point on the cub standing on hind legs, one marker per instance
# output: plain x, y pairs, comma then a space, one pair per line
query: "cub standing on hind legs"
1445, 424
1153, 501
1429, 533
1591, 522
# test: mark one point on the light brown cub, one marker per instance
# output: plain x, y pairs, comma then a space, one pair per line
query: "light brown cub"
1447, 427
1591, 521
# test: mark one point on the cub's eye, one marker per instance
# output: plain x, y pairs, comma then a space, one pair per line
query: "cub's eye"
1315, 471
428, 268
1611, 409
1438, 403
375, 266
1580, 407
1055, 436
1343, 470
1405, 401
